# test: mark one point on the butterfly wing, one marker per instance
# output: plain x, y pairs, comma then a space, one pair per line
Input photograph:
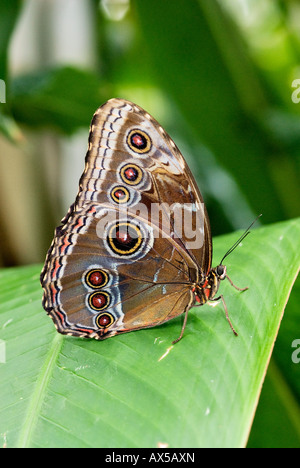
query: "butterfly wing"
126, 141
120, 260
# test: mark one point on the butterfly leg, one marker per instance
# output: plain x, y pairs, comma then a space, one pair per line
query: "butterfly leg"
226, 312
236, 287
183, 327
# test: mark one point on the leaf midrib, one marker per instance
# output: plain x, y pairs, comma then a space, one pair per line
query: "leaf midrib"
36, 400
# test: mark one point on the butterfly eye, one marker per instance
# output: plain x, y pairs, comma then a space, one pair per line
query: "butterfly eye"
96, 278
221, 271
139, 141
131, 174
124, 238
120, 195
104, 320
99, 300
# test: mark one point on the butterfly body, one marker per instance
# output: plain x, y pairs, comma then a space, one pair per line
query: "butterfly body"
135, 248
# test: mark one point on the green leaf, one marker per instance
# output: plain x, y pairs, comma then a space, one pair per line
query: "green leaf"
63, 98
279, 403
9, 14
277, 408
10, 129
136, 390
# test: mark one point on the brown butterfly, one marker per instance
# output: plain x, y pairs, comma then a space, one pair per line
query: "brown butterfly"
135, 249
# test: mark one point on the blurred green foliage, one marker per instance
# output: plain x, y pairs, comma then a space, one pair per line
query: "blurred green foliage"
218, 76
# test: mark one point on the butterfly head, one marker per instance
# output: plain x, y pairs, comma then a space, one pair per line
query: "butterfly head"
220, 272
207, 290
213, 280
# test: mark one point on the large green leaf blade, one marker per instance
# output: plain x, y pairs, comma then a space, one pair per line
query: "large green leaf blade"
136, 390
279, 402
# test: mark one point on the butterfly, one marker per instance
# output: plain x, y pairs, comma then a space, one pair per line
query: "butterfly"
135, 248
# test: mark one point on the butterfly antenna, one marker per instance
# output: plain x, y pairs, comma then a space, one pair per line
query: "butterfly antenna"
240, 239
